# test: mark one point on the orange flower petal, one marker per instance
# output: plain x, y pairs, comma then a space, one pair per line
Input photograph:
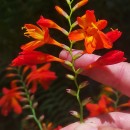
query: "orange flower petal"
16, 106
93, 109
42, 75
90, 17
44, 67
90, 44
32, 45
77, 35
33, 88
101, 24
102, 41
82, 22
113, 35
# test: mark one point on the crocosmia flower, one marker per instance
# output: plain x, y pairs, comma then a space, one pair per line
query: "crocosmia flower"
42, 75
33, 58
43, 22
79, 4
48, 23
102, 107
10, 100
92, 33
109, 58
40, 35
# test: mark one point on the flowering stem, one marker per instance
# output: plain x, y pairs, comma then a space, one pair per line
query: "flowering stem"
117, 100
30, 102
78, 98
69, 18
73, 64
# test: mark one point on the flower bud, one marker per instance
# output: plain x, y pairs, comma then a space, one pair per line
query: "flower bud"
68, 63
26, 107
83, 84
75, 114
79, 70
79, 4
10, 68
109, 89
29, 117
24, 100
35, 105
86, 101
69, 76
70, 91
11, 75
61, 11
41, 118
78, 55
22, 93
32, 97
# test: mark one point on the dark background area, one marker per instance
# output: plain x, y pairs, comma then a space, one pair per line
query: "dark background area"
14, 14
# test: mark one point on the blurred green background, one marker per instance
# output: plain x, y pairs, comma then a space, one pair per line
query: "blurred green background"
54, 103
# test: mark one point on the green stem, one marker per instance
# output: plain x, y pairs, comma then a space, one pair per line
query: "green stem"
78, 99
117, 100
73, 65
69, 18
30, 102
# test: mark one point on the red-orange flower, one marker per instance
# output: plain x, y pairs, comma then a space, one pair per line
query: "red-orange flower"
112, 57
10, 100
43, 22
33, 58
40, 35
80, 4
103, 106
92, 33
42, 75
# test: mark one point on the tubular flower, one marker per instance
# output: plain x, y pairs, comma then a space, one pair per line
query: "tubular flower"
103, 106
92, 33
41, 36
79, 4
112, 57
33, 58
43, 22
61, 11
42, 75
10, 100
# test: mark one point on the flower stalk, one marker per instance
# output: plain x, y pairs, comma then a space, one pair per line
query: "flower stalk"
73, 63
30, 102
